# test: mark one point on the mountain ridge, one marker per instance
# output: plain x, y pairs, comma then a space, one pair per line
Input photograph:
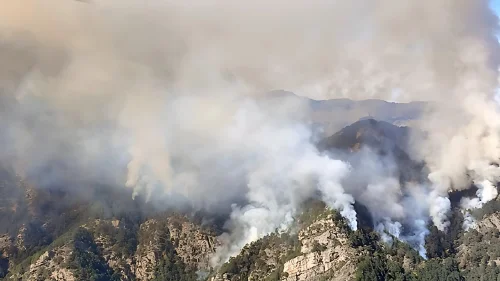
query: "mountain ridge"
109, 239
332, 115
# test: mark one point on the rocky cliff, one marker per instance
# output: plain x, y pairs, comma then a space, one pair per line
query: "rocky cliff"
131, 253
319, 249
325, 253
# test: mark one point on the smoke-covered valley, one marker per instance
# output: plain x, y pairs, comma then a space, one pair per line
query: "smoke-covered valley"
241, 112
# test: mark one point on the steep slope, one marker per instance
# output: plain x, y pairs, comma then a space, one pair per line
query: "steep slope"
322, 248
478, 252
325, 252
47, 234
377, 134
168, 245
319, 249
387, 141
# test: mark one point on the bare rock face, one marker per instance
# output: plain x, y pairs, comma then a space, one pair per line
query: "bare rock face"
326, 253
314, 266
62, 274
319, 251
50, 266
145, 264
193, 244
491, 221
151, 234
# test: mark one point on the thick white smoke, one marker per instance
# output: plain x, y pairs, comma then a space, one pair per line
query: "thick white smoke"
486, 192
283, 168
400, 210
175, 92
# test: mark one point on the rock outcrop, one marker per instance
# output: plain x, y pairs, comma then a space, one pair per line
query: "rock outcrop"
117, 260
51, 266
491, 221
319, 251
192, 243
129, 260
326, 253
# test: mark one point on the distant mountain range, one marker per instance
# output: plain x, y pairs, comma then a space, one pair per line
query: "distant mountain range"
334, 114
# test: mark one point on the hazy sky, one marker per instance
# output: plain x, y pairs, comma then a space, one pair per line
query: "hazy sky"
495, 4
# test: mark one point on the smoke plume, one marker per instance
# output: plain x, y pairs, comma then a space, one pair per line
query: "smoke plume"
168, 98
485, 193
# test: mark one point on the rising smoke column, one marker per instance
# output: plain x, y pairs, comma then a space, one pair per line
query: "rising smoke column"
486, 192
401, 209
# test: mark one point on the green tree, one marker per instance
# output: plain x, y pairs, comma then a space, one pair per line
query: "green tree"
87, 260
436, 269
